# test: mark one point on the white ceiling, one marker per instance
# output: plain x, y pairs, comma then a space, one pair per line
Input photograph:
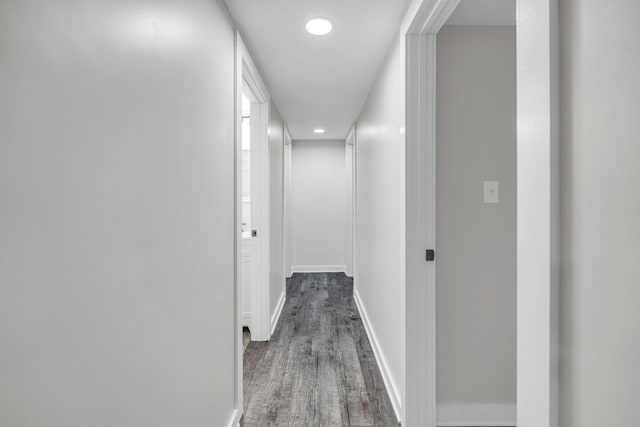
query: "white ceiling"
318, 81
484, 12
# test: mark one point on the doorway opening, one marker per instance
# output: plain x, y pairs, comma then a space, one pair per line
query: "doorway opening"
475, 224
537, 212
254, 203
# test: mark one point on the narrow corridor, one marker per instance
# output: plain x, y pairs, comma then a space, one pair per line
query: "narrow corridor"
319, 368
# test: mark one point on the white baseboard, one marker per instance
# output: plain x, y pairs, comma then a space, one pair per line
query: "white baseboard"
476, 415
235, 419
246, 319
392, 389
319, 268
278, 311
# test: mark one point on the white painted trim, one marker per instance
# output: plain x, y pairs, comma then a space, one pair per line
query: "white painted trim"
260, 258
350, 139
538, 213
355, 206
319, 268
420, 220
234, 421
430, 16
288, 245
420, 191
246, 319
350, 211
278, 311
237, 184
392, 388
476, 415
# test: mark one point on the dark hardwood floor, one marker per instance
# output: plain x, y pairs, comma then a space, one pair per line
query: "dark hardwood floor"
318, 369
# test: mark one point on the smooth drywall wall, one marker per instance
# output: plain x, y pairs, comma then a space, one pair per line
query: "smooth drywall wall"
600, 213
116, 214
380, 215
276, 217
476, 241
318, 186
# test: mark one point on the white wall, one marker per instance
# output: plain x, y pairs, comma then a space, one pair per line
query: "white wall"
380, 215
476, 242
116, 201
600, 211
276, 182
318, 186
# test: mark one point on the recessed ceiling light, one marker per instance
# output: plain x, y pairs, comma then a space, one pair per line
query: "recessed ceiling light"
318, 131
319, 26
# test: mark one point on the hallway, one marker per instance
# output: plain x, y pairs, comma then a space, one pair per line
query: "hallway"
388, 146
318, 369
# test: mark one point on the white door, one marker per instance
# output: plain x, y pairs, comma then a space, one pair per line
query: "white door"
246, 211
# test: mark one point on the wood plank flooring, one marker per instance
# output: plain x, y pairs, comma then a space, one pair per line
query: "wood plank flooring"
318, 369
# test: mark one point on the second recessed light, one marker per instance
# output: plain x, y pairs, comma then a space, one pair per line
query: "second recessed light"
319, 26
318, 131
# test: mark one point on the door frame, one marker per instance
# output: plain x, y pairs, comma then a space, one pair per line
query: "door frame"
537, 211
286, 194
247, 77
350, 233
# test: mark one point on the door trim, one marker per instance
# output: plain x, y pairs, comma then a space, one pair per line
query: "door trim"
350, 234
420, 295
538, 229
287, 204
537, 211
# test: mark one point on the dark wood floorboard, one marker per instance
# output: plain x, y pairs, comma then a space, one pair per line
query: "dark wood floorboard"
319, 368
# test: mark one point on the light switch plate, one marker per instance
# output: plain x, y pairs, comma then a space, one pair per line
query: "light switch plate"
492, 192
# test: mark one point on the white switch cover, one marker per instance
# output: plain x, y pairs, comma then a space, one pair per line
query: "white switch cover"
492, 192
